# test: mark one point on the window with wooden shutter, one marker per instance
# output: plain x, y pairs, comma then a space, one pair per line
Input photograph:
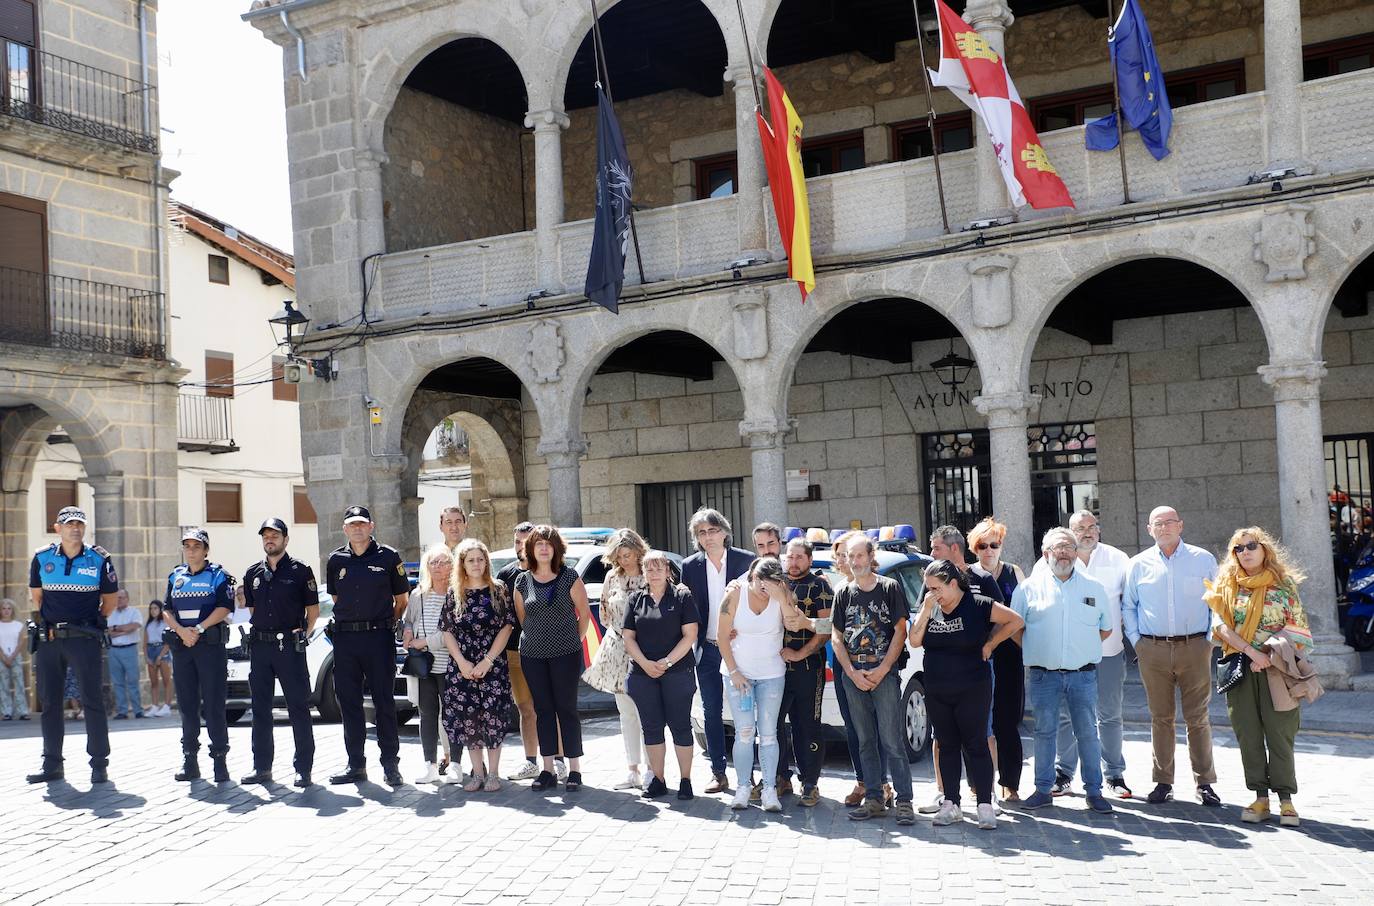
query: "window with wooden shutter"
280, 389
57, 493
219, 374
223, 502
303, 512
18, 22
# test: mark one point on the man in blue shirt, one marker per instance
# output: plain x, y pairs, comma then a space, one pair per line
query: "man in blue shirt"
200, 597
1067, 617
73, 587
1164, 616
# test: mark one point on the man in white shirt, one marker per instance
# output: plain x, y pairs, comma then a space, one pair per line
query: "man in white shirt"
126, 631
1107, 565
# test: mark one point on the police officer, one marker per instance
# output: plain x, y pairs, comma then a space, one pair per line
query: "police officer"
200, 597
280, 592
73, 588
370, 589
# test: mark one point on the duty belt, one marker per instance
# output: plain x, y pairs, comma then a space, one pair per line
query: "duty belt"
362, 625
272, 635
53, 631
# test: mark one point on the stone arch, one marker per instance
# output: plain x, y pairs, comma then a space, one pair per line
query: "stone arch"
88, 433
1093, 260
1354, 264
570, 24
403, 47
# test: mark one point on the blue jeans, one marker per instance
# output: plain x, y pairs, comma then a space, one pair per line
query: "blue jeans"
710, 683
868, 711
124, 671
1050, 691
1111, 679
851, 738
763, 719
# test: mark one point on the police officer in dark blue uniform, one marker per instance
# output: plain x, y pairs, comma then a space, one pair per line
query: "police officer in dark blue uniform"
73, 587
281, 592
370, 589
200, 597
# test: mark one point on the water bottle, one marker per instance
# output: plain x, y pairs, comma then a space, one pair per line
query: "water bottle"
746, 698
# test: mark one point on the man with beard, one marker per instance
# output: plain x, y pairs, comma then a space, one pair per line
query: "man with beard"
1067, 617
804, 682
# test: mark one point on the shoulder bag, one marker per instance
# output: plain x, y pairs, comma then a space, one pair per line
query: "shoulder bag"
419, 661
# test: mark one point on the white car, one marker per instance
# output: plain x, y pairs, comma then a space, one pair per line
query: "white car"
908, 569
319, 660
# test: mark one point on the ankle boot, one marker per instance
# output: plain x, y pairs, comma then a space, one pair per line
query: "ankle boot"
190, 769
221, 769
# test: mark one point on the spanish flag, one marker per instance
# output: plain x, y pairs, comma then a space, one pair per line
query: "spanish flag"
786, 180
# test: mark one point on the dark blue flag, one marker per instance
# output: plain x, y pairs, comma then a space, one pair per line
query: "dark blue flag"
611, 235
1141, 84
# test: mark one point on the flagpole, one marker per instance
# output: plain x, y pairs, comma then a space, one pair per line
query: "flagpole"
1116, 101
749, 52
930, 113
599, 53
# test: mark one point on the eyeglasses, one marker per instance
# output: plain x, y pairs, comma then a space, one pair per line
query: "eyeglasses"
1165, 523
1253, 545
1063, 546
1084, 529
985, 545
711, 530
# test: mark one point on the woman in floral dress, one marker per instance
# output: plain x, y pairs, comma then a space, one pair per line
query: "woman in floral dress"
624, 579
476, 624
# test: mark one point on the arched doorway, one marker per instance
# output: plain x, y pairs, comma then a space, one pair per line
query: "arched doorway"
464, 439
459, 166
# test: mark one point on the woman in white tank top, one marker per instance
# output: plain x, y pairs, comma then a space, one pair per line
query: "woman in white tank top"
751, 636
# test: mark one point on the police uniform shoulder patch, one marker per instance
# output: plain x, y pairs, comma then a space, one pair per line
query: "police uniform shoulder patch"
101, 551
401, 568
257, 580
46, 548
342, 572
181, 580
47, 567
312, 586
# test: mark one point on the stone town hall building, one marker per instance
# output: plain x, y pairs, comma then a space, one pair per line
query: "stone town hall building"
1208, 345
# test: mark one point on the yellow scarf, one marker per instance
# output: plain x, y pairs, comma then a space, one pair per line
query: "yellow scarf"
1222, 599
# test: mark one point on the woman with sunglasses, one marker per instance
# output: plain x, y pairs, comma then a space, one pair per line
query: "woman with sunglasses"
1008, 672
1256, 572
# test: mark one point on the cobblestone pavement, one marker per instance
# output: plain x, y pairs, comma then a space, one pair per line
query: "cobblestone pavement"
145, 839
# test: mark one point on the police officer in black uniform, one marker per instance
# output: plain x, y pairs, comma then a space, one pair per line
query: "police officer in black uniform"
200, 597
370, 589
73, 587
281, 592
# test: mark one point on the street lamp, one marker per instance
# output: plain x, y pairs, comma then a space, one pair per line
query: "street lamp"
292, 324
959, 367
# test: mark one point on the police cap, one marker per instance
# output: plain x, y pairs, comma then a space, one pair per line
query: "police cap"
275, 523
357, 514
196, 534
71, 514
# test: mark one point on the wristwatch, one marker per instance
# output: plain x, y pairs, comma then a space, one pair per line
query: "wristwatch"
200, 630
668, 661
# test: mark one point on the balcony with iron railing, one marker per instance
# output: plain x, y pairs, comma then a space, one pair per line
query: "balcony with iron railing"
1216, 145
205, 424
52, 91
80, 315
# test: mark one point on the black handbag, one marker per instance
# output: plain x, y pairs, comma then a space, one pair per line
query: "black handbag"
1229, 670
418, 662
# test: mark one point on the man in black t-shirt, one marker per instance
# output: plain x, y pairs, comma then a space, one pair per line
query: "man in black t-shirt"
869, 636
804, 682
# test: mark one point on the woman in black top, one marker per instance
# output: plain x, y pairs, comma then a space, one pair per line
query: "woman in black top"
660, 630
551, 605
959, 631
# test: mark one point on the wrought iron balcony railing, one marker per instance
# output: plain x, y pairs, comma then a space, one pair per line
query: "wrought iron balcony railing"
44, 88
66, 313
205, 424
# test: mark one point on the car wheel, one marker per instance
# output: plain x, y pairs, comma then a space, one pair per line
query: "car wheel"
233, 715
329, 701
915, 720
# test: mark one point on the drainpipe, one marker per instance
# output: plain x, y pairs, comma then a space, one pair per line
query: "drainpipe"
281, 9
157, 212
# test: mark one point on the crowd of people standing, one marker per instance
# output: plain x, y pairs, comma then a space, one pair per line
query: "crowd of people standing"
742, 629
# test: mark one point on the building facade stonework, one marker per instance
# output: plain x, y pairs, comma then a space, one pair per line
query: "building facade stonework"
1217, 408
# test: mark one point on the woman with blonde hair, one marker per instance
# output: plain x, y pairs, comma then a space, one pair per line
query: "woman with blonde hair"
476, 622
1257, 570
421, 633
1008, 671
625, 552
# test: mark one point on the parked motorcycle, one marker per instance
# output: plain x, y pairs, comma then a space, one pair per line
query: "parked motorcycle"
1359, 618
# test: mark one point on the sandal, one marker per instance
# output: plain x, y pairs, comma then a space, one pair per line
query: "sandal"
474, 782
493, 784
574, 781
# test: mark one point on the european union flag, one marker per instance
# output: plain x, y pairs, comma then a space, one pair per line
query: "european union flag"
1141, 85
611, 228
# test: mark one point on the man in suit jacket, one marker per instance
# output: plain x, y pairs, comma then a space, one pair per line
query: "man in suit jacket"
706, 573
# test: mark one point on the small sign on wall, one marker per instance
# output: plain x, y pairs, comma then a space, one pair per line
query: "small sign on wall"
798, 484
326, 468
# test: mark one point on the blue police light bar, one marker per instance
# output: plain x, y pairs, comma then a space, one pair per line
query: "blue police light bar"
903, 532
872, 533
595, 533
836, 533
791, 532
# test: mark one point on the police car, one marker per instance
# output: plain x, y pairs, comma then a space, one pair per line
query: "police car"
896, 561
319, 661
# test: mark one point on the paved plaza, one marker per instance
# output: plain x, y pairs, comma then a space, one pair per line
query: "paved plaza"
146, 839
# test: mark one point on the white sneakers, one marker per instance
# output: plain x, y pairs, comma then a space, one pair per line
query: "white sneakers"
432, 775
933, 806
987, 816
528, 771
158, 711
632, 781
741, 800
948, 814
560, 767
771, 803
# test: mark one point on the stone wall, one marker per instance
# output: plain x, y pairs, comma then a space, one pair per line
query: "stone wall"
453, 174
1181, 417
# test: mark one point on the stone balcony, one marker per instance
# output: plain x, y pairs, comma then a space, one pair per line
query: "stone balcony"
1215, 146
